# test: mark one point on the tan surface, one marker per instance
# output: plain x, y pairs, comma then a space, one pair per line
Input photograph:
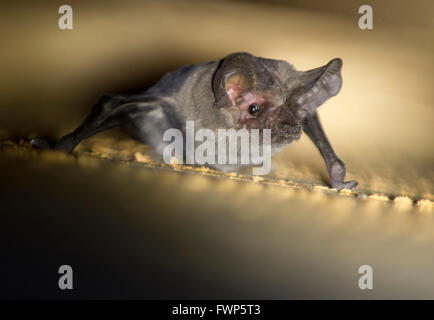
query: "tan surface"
187, 233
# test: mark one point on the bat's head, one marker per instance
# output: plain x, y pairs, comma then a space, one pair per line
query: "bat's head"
260, 94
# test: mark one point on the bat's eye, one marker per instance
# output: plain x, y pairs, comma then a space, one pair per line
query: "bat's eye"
253, 109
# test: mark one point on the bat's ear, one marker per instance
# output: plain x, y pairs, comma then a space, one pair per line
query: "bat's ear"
234, 76
233, 87
317, 85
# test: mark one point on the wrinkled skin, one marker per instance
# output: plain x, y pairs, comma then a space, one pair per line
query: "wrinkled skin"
239, 91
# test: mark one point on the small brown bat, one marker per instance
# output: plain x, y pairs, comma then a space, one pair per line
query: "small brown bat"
238, 91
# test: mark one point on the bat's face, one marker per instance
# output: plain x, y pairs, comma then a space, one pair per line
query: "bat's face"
262, 109
257, 99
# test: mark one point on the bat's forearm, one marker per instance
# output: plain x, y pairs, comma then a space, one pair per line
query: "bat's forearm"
335, 166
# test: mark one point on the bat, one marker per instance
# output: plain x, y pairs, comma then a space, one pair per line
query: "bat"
238, 91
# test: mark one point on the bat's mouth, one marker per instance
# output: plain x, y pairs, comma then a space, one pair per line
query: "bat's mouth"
286, 133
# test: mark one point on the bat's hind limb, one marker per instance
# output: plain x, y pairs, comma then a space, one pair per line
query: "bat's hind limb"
109, 112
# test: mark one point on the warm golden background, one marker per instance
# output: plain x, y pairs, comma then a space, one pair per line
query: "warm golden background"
284, 241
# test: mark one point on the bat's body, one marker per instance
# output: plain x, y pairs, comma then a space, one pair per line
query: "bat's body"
239, 91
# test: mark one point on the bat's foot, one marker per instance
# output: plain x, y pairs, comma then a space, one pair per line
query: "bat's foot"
351, 185
41, 143
65, 144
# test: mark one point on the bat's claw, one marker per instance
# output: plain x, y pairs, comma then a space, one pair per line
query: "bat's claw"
351, 185
40, 143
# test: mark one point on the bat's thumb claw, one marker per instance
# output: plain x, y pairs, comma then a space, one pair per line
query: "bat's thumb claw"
351, 185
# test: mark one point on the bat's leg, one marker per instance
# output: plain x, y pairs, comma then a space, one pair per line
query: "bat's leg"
109, 112
335, 166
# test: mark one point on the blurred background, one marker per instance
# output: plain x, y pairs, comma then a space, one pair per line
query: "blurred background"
297, 243
382, 117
